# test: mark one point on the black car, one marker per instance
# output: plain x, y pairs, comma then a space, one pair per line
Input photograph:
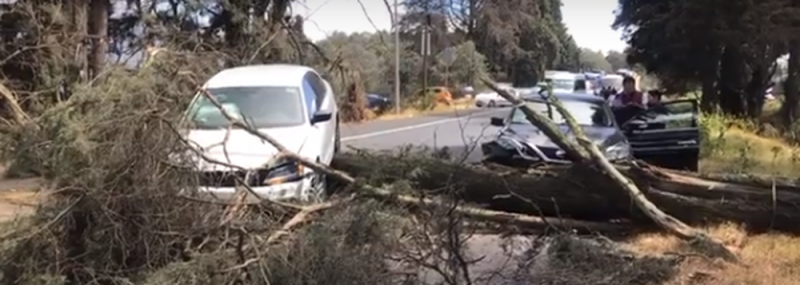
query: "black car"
378, 103
666, 135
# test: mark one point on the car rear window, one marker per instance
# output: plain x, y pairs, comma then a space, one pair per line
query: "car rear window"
261, 107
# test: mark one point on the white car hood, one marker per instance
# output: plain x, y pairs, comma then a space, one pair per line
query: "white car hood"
486, 95
243, 149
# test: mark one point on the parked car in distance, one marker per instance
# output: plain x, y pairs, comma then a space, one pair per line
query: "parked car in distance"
440, 94
290, 103
467, 92
378, 103
491, 99
666, 135
562, 81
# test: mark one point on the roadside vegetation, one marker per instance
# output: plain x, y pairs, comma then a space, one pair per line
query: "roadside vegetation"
91, 141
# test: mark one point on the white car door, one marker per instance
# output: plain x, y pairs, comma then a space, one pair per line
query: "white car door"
323, 103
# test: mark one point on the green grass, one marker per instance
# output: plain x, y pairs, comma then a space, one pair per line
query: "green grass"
736, 146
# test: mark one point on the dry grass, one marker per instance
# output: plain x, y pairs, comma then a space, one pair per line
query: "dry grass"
767, 258
461, 104
736, 146
744, 151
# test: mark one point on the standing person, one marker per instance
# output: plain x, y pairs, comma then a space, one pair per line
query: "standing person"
629, 95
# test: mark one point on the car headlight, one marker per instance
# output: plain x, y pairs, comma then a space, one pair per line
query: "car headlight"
282, 172
618, 151
507, 143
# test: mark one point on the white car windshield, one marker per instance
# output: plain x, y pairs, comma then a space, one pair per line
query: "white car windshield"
563, 84
261, 107
585, 113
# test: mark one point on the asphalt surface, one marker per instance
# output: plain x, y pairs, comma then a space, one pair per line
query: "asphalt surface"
460, 131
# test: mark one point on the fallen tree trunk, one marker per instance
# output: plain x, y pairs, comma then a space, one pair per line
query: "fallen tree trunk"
699, 239
574, 191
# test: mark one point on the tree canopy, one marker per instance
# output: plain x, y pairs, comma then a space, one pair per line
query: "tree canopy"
520, 39
728, 49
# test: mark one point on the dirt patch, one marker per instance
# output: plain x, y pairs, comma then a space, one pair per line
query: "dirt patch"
462, 104
766, 258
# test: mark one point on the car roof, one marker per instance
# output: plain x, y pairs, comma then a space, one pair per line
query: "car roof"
563, 75
259, 75
581, 97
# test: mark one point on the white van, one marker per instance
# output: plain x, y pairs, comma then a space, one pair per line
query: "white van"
562, 81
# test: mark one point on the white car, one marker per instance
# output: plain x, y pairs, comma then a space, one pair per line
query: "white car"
291, 104
491, 99
563, 82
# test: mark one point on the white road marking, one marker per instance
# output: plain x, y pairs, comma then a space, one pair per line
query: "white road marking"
412, 127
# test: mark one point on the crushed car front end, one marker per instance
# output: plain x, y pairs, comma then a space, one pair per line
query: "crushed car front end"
512, 148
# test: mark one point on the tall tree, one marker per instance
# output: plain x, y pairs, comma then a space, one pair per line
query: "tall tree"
98, 32
727, 47
520, 39
617, 60
594, 60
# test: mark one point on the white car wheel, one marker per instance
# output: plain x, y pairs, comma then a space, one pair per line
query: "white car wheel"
491, 104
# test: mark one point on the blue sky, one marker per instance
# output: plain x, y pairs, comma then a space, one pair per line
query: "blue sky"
589, 21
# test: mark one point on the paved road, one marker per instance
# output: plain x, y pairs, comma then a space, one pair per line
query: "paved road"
460, 131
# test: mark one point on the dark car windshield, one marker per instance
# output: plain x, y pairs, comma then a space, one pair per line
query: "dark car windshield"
585, 113
262, 107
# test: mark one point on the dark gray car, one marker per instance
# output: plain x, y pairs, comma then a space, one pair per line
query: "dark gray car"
666, 135
519, 139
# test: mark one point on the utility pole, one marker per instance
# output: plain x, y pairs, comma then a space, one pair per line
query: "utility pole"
396, 25
426, 51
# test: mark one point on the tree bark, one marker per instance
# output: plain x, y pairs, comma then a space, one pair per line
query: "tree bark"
710, 99
733, 80
577, 192
792, 87
98, 34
